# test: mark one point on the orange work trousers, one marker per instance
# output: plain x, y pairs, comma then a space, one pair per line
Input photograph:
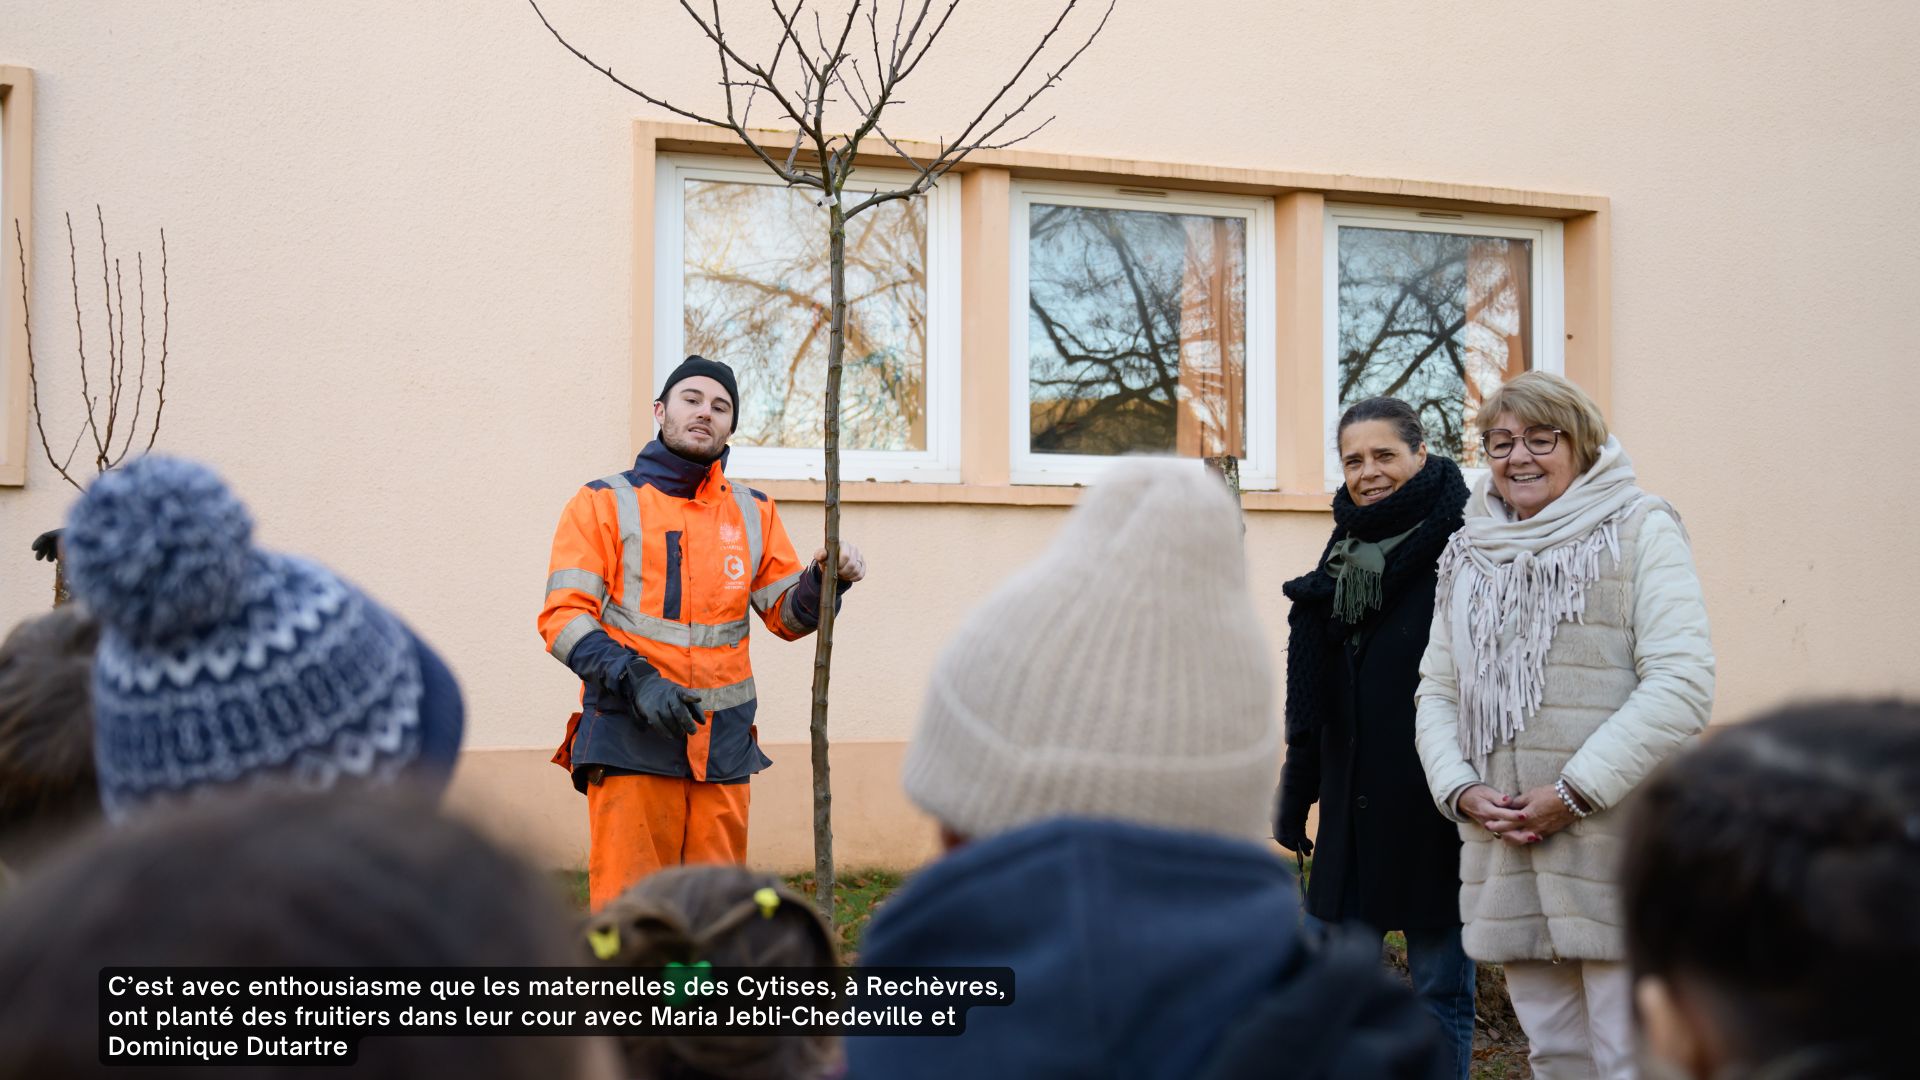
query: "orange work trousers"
637, 824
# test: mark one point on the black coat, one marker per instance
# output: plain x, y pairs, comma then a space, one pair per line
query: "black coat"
1384, 854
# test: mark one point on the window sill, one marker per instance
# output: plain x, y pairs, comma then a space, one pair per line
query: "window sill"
813, 491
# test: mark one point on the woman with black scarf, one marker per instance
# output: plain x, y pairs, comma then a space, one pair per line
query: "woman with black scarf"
1386, 859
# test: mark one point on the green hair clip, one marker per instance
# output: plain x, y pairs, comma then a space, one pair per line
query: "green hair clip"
680, 976
605, 943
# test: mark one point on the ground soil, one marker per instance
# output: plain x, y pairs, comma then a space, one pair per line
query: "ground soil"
1499, 1046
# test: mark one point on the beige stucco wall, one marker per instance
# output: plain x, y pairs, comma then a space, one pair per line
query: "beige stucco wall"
400, 254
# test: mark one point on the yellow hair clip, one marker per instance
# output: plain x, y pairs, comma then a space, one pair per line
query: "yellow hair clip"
768, 900
605, 943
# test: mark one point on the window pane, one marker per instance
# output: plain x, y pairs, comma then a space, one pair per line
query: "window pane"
756, 297
1136, 332
1436, 319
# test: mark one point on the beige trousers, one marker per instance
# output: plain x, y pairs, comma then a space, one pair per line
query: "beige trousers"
1578, 1016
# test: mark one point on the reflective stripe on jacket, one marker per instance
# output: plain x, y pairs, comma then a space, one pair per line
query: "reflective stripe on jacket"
665, 561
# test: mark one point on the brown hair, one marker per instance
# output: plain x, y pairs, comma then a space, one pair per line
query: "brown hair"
716, 914
1541, 397
47, 778
374, 879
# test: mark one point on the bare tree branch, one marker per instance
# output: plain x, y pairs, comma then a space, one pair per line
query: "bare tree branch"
166, 322
822, 79
764, 77
118, 378
904, 156
820, 37
906, 66
881, 68
877, 103
140, 392
805, 119
746, 112
794, 151
863, 97
961, 147
71, 450
765, 80
86, 391
728, 124
1442, 338
622, 83
1047, 84
787, 34
769, 73
33, 374
839, 55
106, 289
1017, 139
112, 398
720, 46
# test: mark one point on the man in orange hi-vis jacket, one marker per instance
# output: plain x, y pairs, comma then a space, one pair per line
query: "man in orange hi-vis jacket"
648, 590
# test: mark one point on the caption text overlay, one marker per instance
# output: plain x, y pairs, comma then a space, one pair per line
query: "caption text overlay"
177, 1016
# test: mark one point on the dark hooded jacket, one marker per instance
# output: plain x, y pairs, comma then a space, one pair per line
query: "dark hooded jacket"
1138, 953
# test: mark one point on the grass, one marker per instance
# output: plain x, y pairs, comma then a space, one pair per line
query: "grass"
573, 885
856, 893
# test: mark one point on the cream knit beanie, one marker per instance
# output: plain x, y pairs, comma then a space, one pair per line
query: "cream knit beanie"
1123, 675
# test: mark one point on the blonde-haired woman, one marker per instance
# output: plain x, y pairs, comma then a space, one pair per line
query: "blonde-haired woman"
1568, 657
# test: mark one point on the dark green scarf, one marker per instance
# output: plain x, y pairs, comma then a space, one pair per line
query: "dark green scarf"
1357, 566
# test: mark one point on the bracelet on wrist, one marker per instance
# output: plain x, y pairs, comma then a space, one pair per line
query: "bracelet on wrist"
1572, 804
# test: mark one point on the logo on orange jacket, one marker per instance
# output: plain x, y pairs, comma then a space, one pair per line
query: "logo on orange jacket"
736, 567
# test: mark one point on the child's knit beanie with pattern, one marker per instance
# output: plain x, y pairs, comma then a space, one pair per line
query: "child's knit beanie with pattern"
223, 666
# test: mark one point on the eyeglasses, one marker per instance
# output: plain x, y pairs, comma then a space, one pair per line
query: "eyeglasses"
1540, 440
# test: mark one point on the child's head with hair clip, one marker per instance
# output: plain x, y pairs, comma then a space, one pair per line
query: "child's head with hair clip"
726, 916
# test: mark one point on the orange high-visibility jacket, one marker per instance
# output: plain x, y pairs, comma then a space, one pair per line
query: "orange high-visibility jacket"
664, 562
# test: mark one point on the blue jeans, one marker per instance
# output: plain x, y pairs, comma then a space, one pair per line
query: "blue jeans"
1443, 976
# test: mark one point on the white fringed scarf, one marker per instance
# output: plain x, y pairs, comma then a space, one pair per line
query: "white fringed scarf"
1522, 579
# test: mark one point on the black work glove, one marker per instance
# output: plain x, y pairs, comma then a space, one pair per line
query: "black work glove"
1290, 818
46, 546
1291, 830
667, 708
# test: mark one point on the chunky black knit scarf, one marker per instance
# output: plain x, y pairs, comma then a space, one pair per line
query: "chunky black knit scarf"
1428, 509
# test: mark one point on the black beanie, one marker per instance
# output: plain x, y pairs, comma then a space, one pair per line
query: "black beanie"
712, 369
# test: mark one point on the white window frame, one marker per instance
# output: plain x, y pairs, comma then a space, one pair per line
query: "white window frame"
940, 461
1549, 291
1260, 469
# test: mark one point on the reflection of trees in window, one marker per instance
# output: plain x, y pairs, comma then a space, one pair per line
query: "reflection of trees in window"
756, 297
1136, 331
1435, 319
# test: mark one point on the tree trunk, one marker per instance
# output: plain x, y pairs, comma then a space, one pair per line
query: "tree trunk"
60, 593
829, 576
1227, 468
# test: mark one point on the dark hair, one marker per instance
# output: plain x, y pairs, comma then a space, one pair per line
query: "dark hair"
722, 915
47, 779
1406, 422
370, 880
1774, 874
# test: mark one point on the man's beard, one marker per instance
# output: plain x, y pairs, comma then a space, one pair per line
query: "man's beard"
673, 441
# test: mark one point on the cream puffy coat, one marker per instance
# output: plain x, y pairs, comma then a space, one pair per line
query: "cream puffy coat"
1622, 690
